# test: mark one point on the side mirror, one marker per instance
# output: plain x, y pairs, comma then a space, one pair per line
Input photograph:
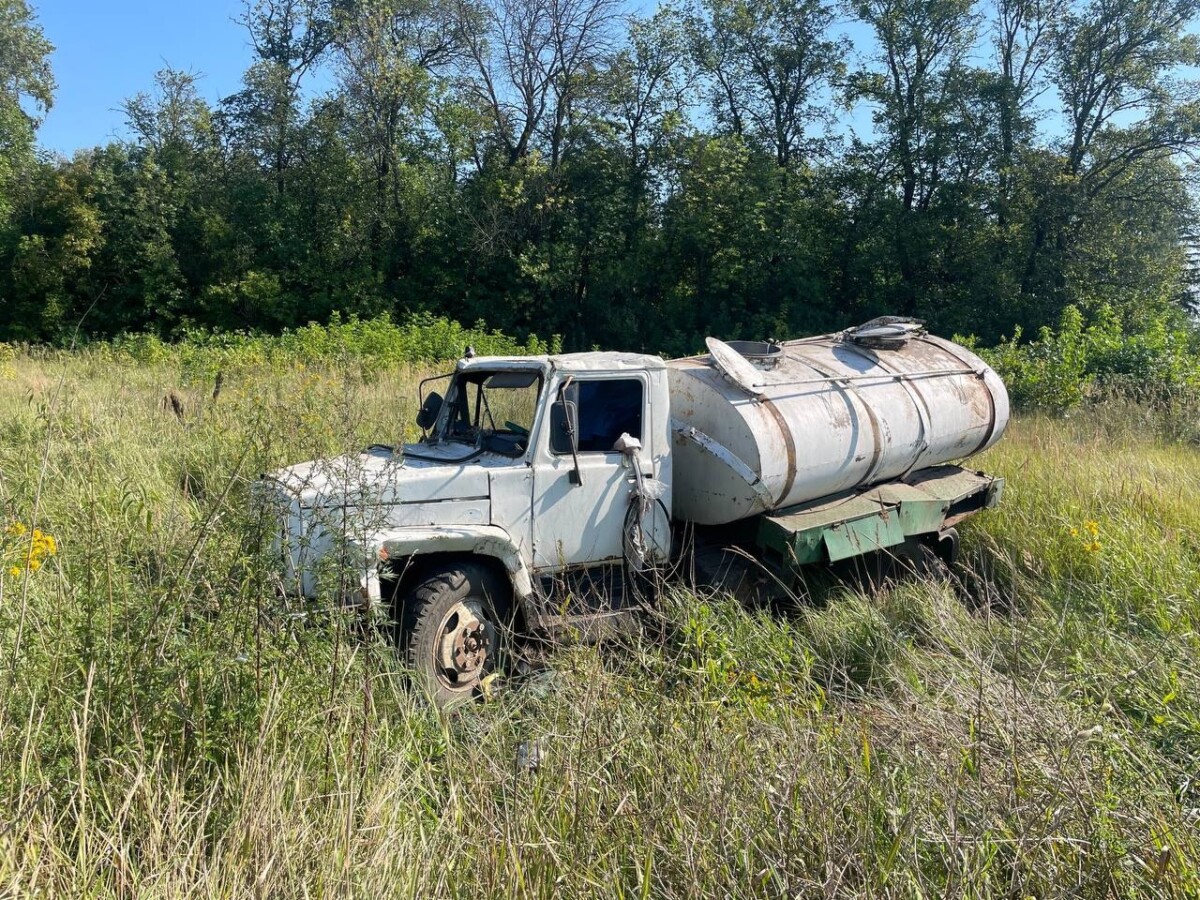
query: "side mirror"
428, 415
564, 427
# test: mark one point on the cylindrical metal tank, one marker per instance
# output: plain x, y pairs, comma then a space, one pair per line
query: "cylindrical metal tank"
758, 426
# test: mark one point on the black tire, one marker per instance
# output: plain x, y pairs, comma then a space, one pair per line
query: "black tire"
937, 554
453, 629
945, 544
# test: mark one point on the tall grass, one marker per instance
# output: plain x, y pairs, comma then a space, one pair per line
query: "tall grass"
169, 726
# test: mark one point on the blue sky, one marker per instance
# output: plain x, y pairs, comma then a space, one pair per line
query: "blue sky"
108, 50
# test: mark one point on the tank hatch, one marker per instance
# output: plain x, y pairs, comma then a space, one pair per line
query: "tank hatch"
763, 355
735, 366
885, 332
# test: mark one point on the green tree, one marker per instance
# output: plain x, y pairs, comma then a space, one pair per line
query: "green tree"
1129, 116
772, 65
57, 231
647, 102
26, 92
532, 65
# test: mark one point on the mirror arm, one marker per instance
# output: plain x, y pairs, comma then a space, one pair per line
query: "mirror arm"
576, 474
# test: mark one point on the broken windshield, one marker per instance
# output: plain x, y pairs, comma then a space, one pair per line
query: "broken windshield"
494, 410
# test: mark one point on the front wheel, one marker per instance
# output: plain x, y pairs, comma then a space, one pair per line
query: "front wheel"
452, 637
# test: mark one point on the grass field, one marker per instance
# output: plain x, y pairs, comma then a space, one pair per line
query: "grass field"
168, 727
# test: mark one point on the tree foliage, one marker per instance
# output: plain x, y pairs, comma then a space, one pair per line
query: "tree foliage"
559, 167
26, 93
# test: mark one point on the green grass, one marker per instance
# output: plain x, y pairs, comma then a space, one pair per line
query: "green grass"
168, 726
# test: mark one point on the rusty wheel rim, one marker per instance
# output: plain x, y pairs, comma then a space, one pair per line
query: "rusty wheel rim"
466, 642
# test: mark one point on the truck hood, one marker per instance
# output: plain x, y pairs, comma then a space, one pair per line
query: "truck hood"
380, 476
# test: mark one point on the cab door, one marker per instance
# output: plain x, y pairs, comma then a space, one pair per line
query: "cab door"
581, 524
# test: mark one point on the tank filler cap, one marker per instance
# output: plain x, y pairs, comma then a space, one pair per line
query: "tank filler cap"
885, 332
735, 366
763, 355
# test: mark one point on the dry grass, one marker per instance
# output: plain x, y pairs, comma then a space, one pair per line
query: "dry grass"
169, 727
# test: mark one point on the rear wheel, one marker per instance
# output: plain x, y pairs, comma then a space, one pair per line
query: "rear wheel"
945, 545
452, 629
936, 554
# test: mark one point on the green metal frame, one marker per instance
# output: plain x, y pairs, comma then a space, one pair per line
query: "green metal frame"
883, 516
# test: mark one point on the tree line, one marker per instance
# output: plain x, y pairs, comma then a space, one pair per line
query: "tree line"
743, 168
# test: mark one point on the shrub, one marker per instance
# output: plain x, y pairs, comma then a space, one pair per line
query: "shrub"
378, 341
1062, 367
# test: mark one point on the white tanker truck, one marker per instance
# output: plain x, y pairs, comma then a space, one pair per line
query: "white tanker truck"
544, 486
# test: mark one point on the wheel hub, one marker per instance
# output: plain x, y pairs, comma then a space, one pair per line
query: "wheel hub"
466, 642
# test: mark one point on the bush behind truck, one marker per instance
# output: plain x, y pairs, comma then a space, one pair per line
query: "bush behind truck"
547, 489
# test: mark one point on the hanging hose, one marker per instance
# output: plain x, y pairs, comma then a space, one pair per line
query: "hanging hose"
635, 541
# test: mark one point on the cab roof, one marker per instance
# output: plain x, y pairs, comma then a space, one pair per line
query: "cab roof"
596, 361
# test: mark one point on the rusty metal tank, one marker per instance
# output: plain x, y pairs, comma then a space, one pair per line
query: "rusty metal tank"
759, 426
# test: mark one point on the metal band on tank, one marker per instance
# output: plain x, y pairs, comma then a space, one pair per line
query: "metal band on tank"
981, 374
789, 443
847, 388
924, 417
767, 403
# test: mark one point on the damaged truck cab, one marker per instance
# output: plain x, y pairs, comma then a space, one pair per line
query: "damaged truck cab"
542, 486
517, 481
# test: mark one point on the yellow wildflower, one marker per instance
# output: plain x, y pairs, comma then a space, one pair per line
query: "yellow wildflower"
31, 549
